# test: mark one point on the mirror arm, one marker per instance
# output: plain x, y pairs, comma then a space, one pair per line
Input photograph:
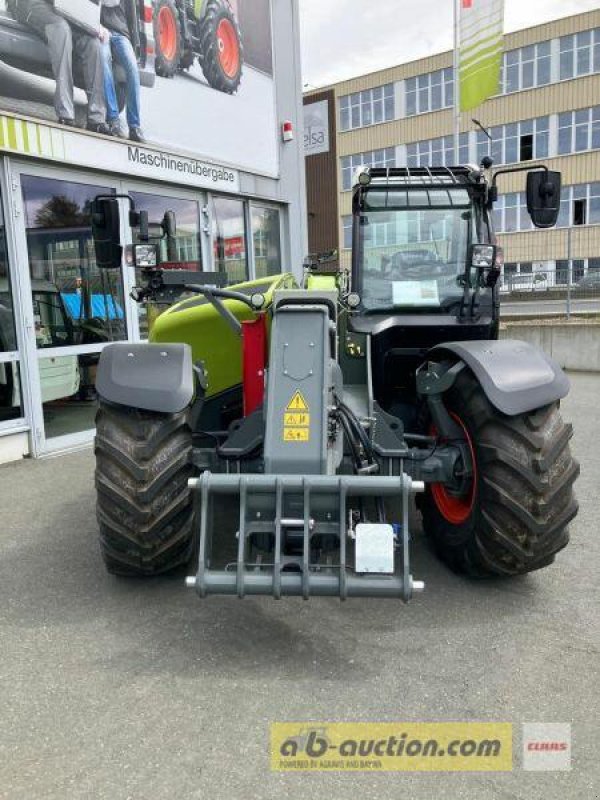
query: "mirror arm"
509, 171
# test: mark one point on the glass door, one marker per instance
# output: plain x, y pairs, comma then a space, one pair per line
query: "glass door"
72, 308
12, 412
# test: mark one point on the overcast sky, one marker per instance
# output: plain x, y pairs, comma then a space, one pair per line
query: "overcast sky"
344, 38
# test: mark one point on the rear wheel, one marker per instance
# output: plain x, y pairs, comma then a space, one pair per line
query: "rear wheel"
512, 516
167, 38
221, 47
144, 505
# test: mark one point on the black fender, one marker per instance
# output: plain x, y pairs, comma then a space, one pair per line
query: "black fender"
152, 377
515, 376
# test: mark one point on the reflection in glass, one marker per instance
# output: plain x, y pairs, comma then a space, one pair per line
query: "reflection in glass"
68, 397
11, 396
184, 252
267, 241
229, 239
74, 302
8, 339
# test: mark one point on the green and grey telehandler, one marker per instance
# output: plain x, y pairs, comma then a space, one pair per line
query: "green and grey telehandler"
278, 434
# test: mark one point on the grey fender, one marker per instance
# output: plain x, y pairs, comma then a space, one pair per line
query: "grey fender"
515, 376
152, 377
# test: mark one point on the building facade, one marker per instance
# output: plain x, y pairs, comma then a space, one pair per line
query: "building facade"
548, 110
214, 153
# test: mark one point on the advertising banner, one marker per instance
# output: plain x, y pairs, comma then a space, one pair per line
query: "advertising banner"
187, 77
481, 42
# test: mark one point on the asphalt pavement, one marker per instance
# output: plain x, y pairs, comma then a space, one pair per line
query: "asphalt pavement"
114, 688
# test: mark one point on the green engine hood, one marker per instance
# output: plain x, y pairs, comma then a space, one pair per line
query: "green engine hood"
196, 322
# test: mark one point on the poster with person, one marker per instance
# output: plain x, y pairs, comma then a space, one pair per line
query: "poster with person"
190, 76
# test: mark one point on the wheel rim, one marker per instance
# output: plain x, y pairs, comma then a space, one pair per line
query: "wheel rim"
457, 509
229, 48
167, 33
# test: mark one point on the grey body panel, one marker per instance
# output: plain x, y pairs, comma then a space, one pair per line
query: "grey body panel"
299, 367
153, 377
515, 376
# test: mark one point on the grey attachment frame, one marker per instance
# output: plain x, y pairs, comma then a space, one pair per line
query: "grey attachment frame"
311, 580
151, 377
516, 376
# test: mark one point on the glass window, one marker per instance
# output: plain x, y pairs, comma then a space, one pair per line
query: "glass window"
266, 237
411, 97
368, 107
184, 252
594, 204
567, 46
10, 385
229, 239
565, 132
347, 225
8, 337
413, 256
74, 302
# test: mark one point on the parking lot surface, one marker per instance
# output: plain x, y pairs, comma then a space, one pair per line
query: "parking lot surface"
114, 688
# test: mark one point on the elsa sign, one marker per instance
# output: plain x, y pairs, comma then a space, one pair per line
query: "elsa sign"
316, 128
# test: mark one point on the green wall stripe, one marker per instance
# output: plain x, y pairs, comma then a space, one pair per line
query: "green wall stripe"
12, 133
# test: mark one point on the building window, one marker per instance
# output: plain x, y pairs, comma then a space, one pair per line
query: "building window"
376, 158
437, 152
517, 141
580, 54
430, 92
580, 211
526, 67
369, 107
347, 225
579, 130
266, 237
229, 239
510, 213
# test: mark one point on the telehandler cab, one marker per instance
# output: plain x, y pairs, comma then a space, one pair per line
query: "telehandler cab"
278, 434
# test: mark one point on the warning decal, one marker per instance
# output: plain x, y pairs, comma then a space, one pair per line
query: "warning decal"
296, 420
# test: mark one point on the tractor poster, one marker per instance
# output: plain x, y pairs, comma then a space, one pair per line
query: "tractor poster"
192, 77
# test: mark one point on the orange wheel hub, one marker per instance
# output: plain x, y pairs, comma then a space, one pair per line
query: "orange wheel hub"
456, 509
167, 33
229, 48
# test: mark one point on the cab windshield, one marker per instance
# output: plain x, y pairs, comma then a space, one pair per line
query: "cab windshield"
413, 248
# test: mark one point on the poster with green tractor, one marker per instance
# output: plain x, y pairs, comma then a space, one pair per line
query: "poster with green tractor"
206, 30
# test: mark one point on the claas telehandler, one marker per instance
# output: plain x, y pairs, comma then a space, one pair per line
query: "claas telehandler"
275, 436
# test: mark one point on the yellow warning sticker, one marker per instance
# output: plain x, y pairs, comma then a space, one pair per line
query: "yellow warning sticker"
296, 434
296, 420
297, 403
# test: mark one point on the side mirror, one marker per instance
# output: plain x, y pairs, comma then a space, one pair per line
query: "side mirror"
106, 230
543, 197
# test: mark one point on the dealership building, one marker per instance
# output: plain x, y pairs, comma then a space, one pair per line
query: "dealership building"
548, 110
228, 163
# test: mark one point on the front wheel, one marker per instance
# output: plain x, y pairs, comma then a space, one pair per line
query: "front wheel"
144, 505
167, 38
221, 53
513, 515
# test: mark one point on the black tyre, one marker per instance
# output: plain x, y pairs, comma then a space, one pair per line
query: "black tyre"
144, 507
514, 515
167, 38
221, 54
